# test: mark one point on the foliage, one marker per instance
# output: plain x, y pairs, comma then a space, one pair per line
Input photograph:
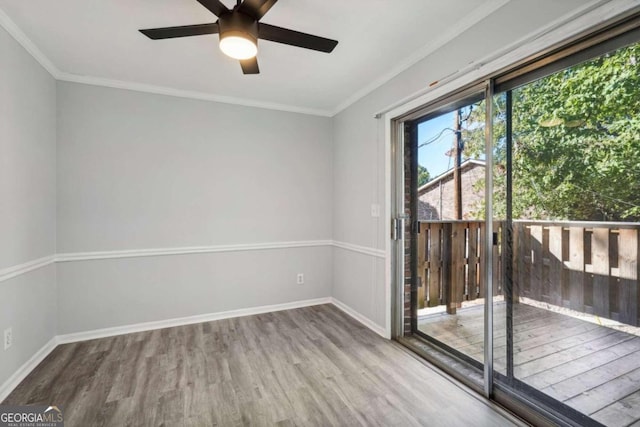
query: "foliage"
423, 176
576, 142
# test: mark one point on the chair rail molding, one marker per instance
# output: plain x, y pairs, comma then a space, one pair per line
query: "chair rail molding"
17, 270
378, 253
133, 253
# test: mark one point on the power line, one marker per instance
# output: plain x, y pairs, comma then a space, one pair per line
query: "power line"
435, 138
468, 115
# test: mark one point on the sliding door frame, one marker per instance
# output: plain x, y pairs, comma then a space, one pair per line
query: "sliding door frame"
625, 33
621, 29
489, 240
404, 128
397, 130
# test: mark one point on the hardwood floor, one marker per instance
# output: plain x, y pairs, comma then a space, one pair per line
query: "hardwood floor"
309, 366
593, 369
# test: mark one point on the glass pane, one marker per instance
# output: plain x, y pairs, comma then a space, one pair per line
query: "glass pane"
576, 220
451, 214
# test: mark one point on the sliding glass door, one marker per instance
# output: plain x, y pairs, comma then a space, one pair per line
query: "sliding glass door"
524, 232
450, 227
567, 190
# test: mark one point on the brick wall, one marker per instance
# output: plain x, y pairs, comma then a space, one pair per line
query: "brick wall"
436, 199
411, 211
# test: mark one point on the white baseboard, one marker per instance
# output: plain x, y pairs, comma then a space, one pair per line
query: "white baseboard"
209, 317
39, 356
361, 318
200, 318
9, 385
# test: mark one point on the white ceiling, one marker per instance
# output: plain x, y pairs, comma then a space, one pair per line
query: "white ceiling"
98, 42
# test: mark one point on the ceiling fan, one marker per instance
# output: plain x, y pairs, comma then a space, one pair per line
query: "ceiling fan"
239, 30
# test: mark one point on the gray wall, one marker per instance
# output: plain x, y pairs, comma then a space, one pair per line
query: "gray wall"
359, 152
143, 171
27, 202
115, 292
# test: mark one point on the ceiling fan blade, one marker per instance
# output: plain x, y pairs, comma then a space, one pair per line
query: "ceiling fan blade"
214, 6
295, 38
256, 8
183, 31
250, 66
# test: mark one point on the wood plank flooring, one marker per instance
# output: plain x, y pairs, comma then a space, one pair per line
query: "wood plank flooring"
310, 366
593, 369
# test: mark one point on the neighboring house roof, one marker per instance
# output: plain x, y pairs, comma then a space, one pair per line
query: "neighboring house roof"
467, 164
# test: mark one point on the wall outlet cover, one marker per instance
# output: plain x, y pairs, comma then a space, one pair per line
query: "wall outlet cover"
8, 338
300, 279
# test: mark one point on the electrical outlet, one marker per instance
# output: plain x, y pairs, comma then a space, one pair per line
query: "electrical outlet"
8, 338
375, 210
300, 279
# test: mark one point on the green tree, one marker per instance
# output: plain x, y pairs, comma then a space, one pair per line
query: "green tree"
576, 142
423, 176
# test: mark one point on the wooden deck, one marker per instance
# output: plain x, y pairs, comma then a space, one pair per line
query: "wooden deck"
592, 368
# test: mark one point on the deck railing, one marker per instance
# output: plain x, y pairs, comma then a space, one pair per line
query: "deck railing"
590, 267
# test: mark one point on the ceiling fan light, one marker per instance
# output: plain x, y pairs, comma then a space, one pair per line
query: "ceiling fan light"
238, 47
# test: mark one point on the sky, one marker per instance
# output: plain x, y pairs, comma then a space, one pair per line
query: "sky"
433, 156
438, 136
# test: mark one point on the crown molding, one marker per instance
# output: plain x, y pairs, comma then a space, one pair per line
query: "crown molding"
588, 14
563, 27
468, 21
179, 93
14, 31
461, 26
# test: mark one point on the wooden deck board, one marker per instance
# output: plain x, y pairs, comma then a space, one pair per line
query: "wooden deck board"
603, 365
597, 398
594, 369
621, 413
565, 389
583, 348
465, 333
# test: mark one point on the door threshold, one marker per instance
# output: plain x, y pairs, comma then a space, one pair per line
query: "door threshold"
458, 372
452, 366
